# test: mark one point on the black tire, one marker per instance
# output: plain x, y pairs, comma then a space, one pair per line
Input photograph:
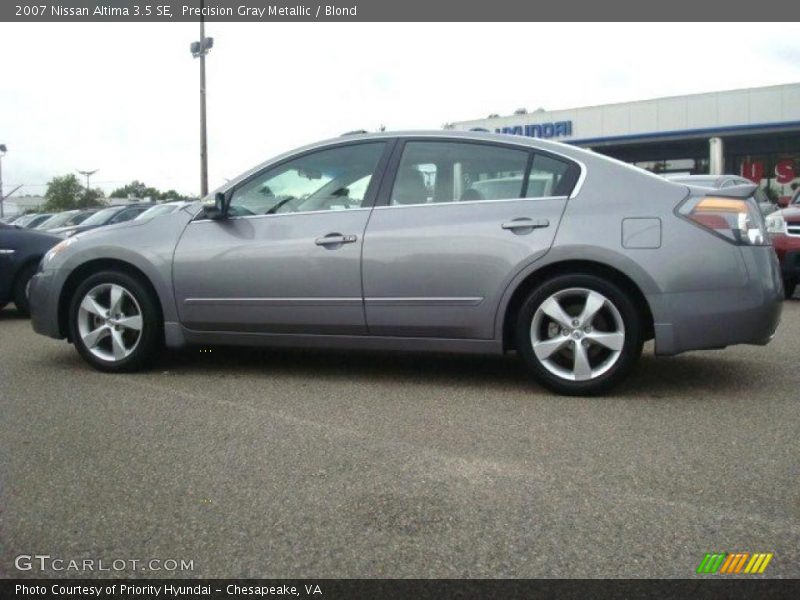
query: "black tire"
789, 288
20, 292
631, 347
150, 340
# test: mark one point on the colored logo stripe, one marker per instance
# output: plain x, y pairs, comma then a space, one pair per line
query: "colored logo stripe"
758, 563
734, 562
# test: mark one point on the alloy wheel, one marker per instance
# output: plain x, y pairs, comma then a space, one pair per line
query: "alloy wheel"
577, 334
110, 322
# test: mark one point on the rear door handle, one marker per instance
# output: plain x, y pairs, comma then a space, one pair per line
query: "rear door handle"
525, 223
335, 239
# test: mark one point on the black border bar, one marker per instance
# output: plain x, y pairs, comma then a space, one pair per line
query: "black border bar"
730, 588
70, 11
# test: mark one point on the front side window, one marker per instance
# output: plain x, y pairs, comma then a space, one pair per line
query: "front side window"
431, 172
333, 179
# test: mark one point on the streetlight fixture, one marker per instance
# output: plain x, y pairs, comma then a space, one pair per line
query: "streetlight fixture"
199, 50
3, 151
87, 174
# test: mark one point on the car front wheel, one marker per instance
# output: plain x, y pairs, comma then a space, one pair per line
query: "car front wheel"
114, 322
580, 335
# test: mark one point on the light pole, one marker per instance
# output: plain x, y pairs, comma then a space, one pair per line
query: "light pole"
3, 150
87, 174
199, 50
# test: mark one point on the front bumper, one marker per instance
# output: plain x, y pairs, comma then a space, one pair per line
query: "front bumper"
709, 319
44, 295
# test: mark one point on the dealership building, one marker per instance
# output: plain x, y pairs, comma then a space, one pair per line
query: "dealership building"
751, 132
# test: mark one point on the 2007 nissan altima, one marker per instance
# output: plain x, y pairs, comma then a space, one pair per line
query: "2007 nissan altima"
445, 241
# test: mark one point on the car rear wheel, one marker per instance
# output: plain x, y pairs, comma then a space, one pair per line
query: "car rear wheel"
115, 323
580, 335
21, 285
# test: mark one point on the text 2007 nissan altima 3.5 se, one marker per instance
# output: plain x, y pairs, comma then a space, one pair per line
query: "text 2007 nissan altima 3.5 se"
454, 242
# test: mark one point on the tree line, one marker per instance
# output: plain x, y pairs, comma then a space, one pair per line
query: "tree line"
67, 193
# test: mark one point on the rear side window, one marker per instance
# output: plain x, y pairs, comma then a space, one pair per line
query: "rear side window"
551, 177
431, 172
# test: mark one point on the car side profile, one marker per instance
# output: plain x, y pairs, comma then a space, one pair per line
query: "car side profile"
442, 241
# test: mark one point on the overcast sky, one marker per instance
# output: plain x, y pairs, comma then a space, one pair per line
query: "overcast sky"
123, 98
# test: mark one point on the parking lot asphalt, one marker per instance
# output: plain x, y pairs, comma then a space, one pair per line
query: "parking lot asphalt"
350, 464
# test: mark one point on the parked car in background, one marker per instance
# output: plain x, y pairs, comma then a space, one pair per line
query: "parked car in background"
66, 219
111, 215
20, 252
32, 220
57, 220
382, 244
717, 182
7, 220
164, 209
784, 228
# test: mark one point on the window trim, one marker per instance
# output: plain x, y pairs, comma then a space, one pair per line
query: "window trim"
383, 199
369, 197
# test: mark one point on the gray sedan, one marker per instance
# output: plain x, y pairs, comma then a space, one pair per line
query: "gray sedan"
441, 241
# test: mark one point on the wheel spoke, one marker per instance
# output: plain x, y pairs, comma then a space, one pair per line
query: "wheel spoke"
594, 302
612, 340
116, 295
545, 348
553, 309
90, 305
118, 345
132, 322
92, 338
582, 370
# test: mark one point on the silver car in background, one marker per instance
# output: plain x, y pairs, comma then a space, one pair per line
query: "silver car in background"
441, 241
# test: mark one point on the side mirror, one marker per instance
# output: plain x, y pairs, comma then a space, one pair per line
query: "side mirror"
219, 209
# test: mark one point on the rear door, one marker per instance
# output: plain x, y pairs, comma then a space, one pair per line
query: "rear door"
453, 225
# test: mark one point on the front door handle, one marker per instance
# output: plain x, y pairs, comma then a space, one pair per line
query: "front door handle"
335, 239
517, 225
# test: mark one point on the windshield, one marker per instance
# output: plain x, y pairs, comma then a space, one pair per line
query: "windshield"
161, 209
100, 217
56, 220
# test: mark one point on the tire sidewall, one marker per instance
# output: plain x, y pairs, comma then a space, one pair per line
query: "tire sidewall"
151, 335
631, 350
20, 284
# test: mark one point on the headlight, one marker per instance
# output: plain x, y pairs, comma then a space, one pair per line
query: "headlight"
58, 248
776, 224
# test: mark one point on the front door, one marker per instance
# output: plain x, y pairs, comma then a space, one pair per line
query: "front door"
288, 258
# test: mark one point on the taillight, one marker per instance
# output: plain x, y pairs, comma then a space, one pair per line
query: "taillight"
737, 220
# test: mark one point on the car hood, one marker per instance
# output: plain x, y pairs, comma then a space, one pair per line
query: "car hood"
791, 214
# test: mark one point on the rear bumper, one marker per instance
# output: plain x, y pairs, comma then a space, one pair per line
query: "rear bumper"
699, 320
43, 300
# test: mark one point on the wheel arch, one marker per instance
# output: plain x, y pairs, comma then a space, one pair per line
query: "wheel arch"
527, 282
90, 267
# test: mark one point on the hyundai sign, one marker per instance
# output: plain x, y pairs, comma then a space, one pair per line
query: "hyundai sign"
539, 130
